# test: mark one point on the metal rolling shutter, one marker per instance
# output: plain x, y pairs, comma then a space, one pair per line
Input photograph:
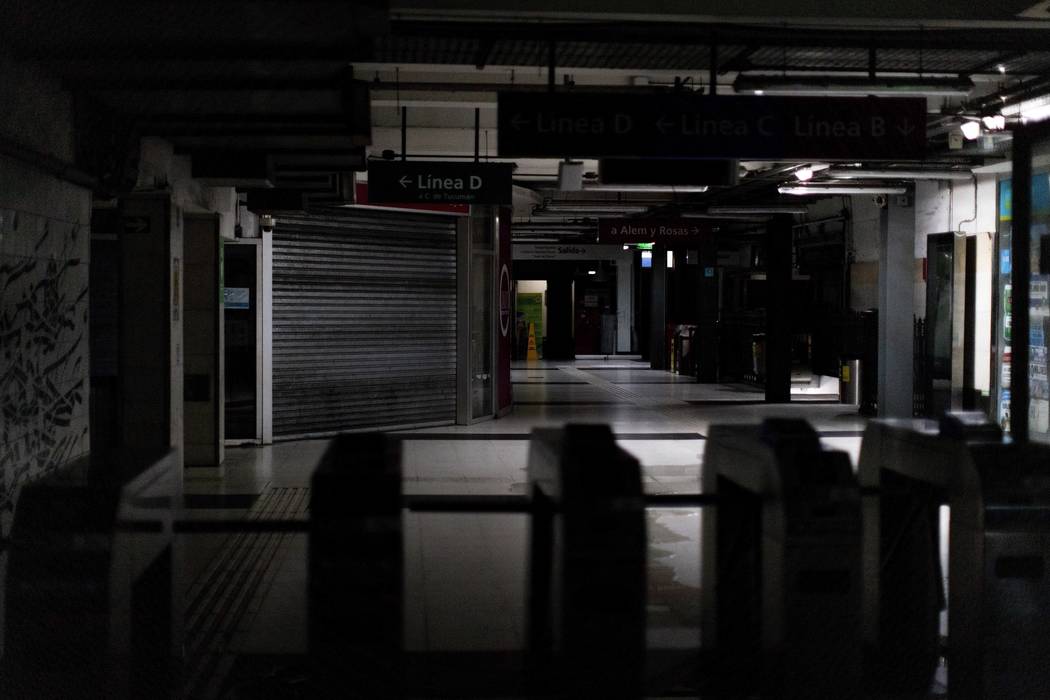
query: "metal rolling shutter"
364, 322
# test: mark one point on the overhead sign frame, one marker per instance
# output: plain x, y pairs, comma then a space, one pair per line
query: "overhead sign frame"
687, 125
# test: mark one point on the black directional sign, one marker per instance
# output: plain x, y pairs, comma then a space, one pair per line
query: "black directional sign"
696, 126
418, 182
665, 230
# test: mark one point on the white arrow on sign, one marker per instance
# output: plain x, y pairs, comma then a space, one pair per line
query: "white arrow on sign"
696, 230
517, 122
663, 124
405, 181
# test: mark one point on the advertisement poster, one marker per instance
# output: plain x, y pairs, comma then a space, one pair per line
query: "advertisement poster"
530, 311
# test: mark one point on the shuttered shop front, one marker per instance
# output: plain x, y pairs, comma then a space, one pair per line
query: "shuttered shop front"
364, 322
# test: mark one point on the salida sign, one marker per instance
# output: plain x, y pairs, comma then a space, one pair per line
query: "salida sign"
653, 230
415, 182
698, 126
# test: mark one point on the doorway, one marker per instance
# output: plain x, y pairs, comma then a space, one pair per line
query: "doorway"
241, 315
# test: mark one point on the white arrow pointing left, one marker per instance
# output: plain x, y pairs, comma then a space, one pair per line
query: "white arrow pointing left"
405, 181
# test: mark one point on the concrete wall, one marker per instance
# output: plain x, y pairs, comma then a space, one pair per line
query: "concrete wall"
862, 245
44, 259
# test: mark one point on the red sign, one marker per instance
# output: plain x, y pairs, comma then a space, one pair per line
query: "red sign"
654, 230
361, 197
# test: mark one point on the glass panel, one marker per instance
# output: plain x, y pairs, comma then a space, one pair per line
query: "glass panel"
481, 303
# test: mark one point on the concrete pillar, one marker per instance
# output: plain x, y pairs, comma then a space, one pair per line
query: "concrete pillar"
896, 288
778, 310
624, 301
658, 309
705, 347
204, 380
151, 348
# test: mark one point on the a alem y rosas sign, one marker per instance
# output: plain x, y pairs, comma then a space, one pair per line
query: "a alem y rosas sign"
667, 231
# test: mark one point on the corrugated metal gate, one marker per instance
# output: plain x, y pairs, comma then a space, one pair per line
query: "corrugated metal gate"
364, 322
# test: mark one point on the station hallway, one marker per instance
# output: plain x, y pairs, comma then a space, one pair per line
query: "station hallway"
465, 574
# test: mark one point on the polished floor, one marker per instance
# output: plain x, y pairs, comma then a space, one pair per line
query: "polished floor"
245, 593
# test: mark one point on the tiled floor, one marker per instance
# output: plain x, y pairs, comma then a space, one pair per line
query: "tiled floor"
465, 575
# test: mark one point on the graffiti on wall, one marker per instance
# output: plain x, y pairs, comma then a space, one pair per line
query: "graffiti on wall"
43, 349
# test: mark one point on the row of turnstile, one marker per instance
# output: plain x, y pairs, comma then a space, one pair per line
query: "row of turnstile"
817, 581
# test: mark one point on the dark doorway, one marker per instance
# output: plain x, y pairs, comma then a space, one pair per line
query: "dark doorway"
240, 293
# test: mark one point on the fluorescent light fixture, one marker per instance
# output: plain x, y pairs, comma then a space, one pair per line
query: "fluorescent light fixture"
832, 189
670, 259
1033, 110
759, 209
626, 247
830, 85
592, 272
971, 130
899, 174
1001, 68
665, 189
590, 208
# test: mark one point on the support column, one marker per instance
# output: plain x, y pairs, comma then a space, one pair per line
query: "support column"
658, 309
705, 344
778, 310
896, 289
204, 336
151, 345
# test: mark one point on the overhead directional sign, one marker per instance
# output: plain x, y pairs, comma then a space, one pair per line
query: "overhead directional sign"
413, 182
559, 125
668, 230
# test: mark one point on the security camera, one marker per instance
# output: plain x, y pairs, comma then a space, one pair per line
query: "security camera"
879, 200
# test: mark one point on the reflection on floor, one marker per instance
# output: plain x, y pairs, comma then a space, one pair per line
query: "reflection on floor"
465, 574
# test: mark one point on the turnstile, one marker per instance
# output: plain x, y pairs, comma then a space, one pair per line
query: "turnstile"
998, 543
587, 584
91, 607
355, 607
781, 574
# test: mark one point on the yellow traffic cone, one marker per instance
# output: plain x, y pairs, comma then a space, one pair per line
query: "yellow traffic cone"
532, 354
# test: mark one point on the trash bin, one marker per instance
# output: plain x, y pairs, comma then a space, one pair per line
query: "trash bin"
849, 382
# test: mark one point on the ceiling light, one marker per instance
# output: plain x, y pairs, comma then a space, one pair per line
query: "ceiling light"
592, 272
829, 85
971, 130
833, 189
759, 209
900, 174
1001, 68
994, 122
804, 174
760, 92
667, 189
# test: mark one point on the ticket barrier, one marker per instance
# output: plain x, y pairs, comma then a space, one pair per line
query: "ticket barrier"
91, 610
781, 568
354, 615
999, 539
587, 565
